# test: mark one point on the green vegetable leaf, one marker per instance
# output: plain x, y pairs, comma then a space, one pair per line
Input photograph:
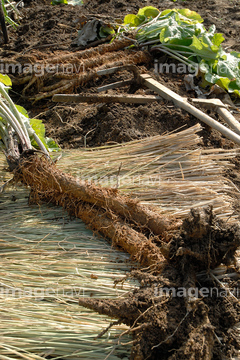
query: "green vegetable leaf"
203, 47
197, 44
236, 54
223, 82
57, 2
149, 11
51, 145
152, 31
132, 20
175, 31
190, 15
166, 12
181, 34
228, 68
22, 110
184, 14
38, 126
39, 129
5, 80
105, 31
217, 39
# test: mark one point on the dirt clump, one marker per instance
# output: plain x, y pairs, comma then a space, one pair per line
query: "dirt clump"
183, 312
108, 123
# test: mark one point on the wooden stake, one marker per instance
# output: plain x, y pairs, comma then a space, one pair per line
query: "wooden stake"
95, 98
178, 100
222, 110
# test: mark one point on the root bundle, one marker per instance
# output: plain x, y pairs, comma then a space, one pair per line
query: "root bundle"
169, 314
104, 210
66, 72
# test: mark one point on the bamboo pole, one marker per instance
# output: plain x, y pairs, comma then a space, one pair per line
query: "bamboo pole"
179, 101
95, 98
222, 110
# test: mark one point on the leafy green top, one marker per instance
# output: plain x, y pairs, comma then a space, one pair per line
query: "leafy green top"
67, 2
180, 33
14, 118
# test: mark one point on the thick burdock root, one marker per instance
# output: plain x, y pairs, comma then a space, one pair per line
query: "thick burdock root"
169, 316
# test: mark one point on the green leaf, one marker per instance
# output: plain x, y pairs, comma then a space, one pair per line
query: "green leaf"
132, 20
57, 2
105, 31
38, 126
196, 44
201, 47
175, 31
5, 80
149, 11
51, 145
211, 78
227, 69
166, 12
178, 29
152, 31
35, 145
22, 110
182, 35
236, 54
184, 14
236, 92
190, 15
223, 82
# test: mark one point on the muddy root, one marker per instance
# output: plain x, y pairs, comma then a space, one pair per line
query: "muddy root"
71, 70
205, 241
50, 184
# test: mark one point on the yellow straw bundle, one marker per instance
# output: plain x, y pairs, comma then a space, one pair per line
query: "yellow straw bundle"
170, 172
47, 262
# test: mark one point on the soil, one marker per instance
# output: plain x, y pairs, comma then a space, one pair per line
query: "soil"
167, 323
162, 327
46, 30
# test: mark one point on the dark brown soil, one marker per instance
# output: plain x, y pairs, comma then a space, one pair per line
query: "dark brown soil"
170, 316
50, 29
163, 327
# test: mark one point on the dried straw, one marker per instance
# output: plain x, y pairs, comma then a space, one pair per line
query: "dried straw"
47, 262
170, 172
41, 248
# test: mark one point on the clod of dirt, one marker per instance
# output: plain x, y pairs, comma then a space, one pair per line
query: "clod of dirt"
205, 241
169, 315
